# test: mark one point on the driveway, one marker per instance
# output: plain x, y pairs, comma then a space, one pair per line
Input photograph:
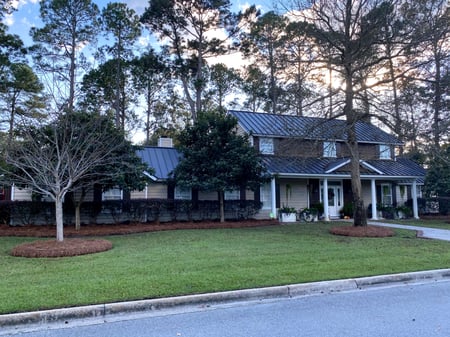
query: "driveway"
424, 232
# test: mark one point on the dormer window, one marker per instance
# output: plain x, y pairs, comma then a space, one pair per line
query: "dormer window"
329, 149
385, 151
266, 145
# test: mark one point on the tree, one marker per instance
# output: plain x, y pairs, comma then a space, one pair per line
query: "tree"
265, 43
223, 81
216, 158
189, 30
253, 86
349, 34
75, 150
122, 24
68, 26
431, 19
151, 77
20, 91
437, 180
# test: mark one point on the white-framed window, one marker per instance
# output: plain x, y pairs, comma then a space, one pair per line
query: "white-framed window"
266, 145
265, 196
112, 194
386, 194
233, 195
329, 149
183, 193
385, 151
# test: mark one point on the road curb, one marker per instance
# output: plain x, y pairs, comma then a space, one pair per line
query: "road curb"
287, 291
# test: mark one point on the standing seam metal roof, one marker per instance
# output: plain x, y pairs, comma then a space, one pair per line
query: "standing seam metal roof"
273, 125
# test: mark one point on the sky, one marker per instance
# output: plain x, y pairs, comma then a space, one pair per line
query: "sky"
27, 13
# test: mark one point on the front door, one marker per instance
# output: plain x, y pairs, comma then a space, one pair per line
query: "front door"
335, 197
334, 200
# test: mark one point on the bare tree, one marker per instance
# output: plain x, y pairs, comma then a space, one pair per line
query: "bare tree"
55, 159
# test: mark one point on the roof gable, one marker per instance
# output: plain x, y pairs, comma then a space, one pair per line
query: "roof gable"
272, 125
162, 159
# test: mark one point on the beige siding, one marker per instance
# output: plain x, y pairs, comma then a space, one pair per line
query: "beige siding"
138, 194
294, 196
23, 194
366, 192
157, 191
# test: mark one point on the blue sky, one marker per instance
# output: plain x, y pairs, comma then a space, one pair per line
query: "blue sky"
27, 14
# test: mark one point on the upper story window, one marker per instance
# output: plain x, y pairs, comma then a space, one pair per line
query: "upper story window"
112, 194
385, 151
183, 193
266, 145
329, 149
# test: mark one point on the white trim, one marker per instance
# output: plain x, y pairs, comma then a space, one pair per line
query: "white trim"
338, 166
370, 167
152, 177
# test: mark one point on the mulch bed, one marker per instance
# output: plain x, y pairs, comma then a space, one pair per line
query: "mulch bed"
362, 231
68, 247
75, 242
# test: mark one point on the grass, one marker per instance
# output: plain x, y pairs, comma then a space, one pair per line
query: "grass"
181, 262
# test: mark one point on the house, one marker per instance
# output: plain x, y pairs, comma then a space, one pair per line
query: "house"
307, 156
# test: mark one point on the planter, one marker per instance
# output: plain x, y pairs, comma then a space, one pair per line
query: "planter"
288, 217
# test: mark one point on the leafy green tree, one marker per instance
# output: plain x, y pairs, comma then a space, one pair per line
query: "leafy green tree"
76, 150
151, 77
437, 180
21, 92
122, 25
68, 26
254, 87
188, 30
431, 59
223, 81
216, 158
265, 43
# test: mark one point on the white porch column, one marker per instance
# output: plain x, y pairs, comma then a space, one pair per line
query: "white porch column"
326, 211
414, 200
373, 191
273, 198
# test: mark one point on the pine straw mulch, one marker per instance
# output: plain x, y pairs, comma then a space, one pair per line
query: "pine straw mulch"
362, 231
77, 242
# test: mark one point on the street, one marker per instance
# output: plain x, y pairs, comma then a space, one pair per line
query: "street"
395, 311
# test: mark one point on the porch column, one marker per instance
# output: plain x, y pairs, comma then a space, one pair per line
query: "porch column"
273, 196
325, 200
414, 200
373, 191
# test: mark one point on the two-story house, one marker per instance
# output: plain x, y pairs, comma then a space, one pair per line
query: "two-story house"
307, 156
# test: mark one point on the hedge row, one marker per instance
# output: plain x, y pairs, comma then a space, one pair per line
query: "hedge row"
130, 211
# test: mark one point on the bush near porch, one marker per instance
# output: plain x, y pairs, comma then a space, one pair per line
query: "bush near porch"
20, 213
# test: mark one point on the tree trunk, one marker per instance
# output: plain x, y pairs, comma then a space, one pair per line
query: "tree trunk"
77, 216
221, 205
59, 219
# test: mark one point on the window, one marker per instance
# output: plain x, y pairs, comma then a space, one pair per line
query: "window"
183, 193
386, 194
233, 195
385, 151
329, 149
112, 194
266, 145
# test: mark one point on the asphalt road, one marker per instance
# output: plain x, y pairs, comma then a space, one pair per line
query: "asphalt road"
395, 311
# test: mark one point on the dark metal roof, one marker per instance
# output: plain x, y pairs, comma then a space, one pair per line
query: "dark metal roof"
403, 168
162, 159
272, 125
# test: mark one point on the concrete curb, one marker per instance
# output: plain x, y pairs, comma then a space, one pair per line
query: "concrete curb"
287, 291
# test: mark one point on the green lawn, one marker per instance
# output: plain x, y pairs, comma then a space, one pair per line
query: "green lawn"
197, 261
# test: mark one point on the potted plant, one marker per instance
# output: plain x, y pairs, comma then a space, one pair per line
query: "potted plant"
403, 212
287, 214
